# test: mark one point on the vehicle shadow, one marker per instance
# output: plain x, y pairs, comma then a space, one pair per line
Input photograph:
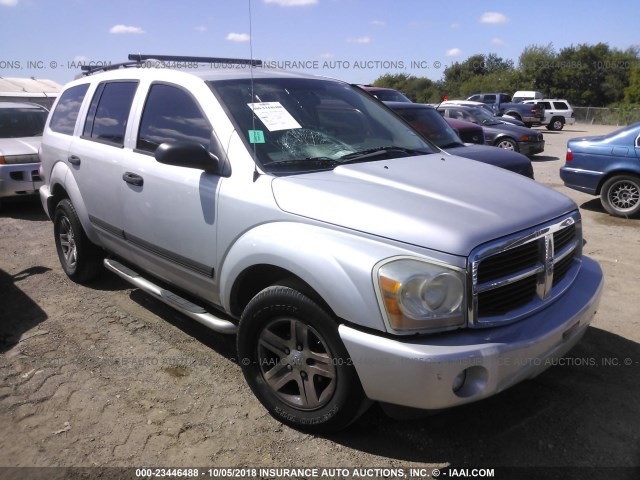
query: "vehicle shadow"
23, 208
595, 205
19, 313
588, 398
543, 158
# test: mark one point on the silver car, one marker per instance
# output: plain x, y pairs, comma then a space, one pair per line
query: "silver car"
354, 260
21, 126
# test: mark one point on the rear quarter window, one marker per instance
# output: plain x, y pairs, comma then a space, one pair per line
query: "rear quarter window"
560, 106
63, 118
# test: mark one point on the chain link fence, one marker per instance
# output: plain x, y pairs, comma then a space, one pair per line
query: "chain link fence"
607, 116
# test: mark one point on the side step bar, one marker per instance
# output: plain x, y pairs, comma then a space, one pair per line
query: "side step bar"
183, 305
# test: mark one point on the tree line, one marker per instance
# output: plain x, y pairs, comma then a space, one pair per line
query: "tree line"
585, 75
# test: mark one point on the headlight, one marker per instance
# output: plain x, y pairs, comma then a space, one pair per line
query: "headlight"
416, 295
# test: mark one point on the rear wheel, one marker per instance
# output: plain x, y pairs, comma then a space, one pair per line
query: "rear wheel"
620, 196
556, 124
80, 259
295, 363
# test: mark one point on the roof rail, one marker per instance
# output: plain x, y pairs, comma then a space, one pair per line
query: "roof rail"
180, 58
90, 69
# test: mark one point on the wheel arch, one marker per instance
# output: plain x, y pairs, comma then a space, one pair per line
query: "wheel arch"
615, 173
333, 268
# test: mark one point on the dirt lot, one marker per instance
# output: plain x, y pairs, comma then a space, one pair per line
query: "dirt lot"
102, 375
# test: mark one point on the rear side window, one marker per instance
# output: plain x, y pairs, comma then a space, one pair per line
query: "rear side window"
171, 114
108, 113
63, 119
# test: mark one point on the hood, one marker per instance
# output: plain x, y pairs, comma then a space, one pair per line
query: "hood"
437, 201
499, 157
19, 146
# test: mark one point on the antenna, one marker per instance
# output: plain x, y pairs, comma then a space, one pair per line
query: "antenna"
256, 173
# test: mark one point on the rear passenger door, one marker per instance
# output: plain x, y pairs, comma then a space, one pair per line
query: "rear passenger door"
170, 214
97, 159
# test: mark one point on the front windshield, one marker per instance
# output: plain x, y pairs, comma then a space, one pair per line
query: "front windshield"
484, 117
21, 122
390, 96
431, 124
296, 125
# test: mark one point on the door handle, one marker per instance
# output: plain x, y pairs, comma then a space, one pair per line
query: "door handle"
133, 179
73, 160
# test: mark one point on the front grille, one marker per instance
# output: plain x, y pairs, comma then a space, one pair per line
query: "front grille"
517, 275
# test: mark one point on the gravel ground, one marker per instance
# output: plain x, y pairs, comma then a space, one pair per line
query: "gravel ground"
104, 376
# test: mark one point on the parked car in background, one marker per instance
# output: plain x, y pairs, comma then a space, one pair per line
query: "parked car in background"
502, 105
430, 124
609, 166
386, 94
467, 131
510, 137
489, 108
522, 95
557, 112
21, 125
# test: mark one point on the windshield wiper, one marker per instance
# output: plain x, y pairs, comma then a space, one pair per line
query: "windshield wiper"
378, 152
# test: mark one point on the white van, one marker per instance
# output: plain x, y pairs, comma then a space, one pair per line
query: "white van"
522, 95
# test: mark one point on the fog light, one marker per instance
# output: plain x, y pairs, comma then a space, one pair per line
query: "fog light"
459, 380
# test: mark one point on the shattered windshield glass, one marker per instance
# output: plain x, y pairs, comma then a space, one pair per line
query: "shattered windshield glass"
297, 125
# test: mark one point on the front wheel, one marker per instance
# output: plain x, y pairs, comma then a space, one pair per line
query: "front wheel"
295, 363
507, 144
620, 196
80, 259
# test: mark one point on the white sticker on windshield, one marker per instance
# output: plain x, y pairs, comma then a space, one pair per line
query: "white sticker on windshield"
274, 116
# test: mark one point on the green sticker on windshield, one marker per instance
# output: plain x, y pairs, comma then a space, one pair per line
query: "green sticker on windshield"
256, 136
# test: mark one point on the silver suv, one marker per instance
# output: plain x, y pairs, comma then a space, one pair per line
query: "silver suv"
354, 261
557, 112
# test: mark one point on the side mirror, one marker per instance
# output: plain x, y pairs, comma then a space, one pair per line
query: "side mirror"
187, 154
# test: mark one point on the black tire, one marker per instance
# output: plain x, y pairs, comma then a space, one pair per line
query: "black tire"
556, 124
620, 196
295, 363
80, 259
507, 143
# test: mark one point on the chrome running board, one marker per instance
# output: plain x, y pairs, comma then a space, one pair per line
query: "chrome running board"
184, 306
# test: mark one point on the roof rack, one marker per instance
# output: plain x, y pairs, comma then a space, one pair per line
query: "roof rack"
91, 69
180, 58
136, 60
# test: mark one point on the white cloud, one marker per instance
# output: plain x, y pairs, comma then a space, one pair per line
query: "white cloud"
238, 37
117, 29
8, 3
200, 28
498, 41
453, 52
80, 59
292, 3
493, 17
360, 40
327, 55
378, 23
454, 25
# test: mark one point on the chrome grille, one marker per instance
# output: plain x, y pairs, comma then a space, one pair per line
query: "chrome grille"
515, 276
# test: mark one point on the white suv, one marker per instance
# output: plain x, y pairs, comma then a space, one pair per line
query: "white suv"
557, 112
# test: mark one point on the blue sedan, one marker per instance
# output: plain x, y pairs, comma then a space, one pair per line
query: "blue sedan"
609, 166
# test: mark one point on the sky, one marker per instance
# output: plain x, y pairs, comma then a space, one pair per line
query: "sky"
352, 40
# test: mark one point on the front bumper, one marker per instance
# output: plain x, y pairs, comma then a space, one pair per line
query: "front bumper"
19, 179
423, 373
531, 148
